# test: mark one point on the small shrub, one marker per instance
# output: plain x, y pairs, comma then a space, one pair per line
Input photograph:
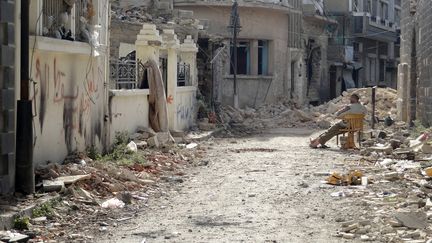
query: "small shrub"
93, 153
46, 209
21, 223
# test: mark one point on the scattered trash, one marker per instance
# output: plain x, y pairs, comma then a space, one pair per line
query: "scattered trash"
191, 145
351, 178
113, 203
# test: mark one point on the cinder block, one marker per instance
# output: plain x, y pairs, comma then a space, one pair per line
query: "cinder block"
7, 56
7, 99
8, 121
7, 143
7, 11
7, 78
10, 33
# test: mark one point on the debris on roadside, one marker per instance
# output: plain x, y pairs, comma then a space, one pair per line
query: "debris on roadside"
287, 113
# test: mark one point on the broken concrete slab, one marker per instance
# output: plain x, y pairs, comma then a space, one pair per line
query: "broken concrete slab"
73, 179
176, 133
153, 142
52, 185
412, 220
205, 126
146, 131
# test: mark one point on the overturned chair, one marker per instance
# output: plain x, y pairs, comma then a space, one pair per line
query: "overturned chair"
354, 125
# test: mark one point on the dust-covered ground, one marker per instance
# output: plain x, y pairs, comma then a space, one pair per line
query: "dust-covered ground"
265, 188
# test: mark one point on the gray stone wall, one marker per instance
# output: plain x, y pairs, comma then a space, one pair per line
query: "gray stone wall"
7, 96
424, 64
416, 51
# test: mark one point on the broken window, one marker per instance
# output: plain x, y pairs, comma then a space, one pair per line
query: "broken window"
243, 58
262, 57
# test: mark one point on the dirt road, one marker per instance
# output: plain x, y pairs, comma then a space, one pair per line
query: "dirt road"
257, 189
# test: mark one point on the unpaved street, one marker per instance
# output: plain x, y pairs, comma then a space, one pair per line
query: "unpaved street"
257, 189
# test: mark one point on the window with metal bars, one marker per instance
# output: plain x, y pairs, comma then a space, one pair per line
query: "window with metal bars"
62, 18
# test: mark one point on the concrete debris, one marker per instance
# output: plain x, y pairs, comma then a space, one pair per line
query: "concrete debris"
113, 203
413, 220
153, 142
132, 147
52, 185
287, 113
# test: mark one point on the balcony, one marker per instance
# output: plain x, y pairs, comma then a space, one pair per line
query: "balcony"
284, 5
374, 28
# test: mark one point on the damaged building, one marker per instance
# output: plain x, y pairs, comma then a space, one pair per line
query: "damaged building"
415, 79
317, 29
365, 49
269, 49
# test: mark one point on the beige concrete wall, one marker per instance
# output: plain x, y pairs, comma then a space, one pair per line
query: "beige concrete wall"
68, 99
257, 23
186, 107
129, 109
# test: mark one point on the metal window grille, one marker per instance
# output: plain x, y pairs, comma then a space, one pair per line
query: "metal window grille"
80, 10
183, 74
53, 9
125, 74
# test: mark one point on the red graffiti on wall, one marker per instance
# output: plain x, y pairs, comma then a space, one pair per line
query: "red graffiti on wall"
76, 97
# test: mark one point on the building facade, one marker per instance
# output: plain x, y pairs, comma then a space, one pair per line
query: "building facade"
365, 50
269, 49
8, 64
317, 29
415, 78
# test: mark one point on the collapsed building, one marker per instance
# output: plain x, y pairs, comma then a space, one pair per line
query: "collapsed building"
415, 79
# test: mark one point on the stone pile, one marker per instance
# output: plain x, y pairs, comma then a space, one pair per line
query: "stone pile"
289, 114
159, 13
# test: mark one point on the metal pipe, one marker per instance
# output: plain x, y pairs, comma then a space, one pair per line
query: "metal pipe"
25, 178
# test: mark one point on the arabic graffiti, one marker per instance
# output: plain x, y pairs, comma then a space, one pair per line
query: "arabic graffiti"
75, 92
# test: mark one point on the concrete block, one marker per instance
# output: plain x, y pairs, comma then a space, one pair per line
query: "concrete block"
7, 99
11, 33
164, 6
185, 14
7, 56
7, 11
52, 185
7, 142
153, 142
7, 78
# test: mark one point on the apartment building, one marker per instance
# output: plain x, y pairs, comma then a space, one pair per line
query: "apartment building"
365, 48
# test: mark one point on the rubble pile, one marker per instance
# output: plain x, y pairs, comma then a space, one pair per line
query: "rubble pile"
394, 191
99, 194
159, 13
289, 114
385, 105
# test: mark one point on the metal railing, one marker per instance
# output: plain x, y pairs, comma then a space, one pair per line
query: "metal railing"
126, 74
183, 74
130, 74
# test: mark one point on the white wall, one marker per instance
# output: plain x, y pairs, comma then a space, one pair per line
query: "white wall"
68, 98
129, 109
186, 107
